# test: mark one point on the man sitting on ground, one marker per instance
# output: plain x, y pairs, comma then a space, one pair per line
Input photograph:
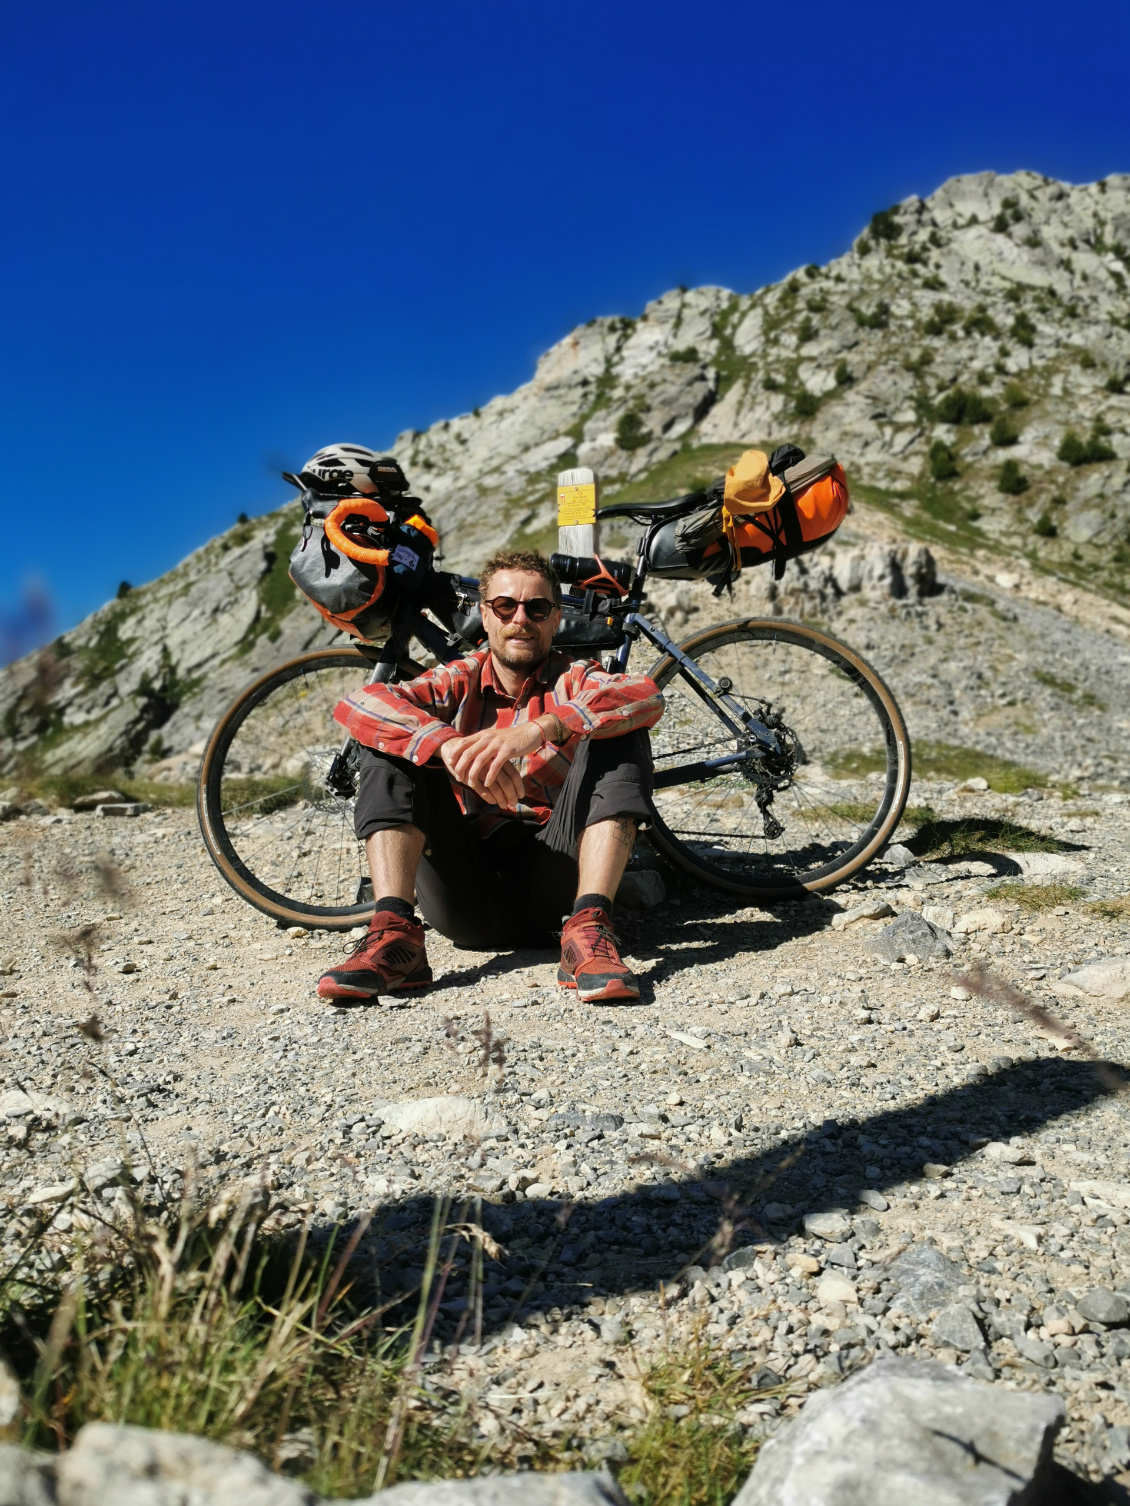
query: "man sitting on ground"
501, 791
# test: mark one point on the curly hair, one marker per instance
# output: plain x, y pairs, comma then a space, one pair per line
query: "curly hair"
528, 560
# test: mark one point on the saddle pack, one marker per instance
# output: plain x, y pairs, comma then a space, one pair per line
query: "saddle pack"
765, 508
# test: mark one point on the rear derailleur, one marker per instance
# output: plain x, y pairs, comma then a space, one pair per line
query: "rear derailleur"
771, 773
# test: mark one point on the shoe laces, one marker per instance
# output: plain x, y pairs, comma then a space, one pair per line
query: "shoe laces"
370, 938
600, 939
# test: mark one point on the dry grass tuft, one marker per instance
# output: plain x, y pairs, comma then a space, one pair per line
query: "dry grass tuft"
1111, 909
1036, 897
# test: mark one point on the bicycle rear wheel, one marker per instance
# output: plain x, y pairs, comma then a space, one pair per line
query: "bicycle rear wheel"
844, 778
279, 834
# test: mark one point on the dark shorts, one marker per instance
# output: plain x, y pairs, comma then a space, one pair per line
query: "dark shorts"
512, 888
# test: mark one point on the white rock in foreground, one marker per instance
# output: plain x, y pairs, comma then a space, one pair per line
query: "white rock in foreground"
129, 1466
1108, 979
112, 1465
908, 1431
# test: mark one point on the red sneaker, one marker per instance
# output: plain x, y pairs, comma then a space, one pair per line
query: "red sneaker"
590, 962
389, 958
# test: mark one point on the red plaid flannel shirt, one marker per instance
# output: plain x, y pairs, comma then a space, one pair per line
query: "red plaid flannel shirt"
413, 719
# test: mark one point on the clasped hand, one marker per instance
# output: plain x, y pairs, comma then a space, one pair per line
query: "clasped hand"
482, 761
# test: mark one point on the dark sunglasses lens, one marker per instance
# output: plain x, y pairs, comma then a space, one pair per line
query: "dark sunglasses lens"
504, 607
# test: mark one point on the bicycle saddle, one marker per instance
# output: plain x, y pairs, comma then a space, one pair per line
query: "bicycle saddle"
655, 510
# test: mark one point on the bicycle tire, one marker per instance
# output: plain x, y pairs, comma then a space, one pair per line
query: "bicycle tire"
773, 879
215, 828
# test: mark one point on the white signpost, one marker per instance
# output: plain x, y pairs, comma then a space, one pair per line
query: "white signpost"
578, 531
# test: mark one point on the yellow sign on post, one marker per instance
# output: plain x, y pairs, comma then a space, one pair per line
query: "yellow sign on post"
577, 501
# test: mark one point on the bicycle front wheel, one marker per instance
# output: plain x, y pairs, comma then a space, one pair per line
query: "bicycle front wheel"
841, 786
276, 830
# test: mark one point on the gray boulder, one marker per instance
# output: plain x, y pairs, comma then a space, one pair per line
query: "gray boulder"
955, 1325
911, 1430
1101, 1305
925, 1279
907, 936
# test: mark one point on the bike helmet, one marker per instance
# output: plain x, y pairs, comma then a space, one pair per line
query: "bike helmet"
343, 470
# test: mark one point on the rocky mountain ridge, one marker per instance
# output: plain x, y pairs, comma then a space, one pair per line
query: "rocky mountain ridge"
966, 359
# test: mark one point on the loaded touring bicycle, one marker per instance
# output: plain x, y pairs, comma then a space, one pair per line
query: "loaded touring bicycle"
782, 763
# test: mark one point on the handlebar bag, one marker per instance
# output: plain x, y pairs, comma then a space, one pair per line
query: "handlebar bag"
358, 557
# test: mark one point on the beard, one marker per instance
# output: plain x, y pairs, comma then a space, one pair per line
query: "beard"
517, 651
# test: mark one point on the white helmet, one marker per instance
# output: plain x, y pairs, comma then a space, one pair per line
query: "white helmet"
342, 470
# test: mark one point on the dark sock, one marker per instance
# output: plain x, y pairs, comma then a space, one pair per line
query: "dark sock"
402, 907
593, 902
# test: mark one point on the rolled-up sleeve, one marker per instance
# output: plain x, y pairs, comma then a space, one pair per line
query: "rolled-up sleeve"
600, 704
412, 720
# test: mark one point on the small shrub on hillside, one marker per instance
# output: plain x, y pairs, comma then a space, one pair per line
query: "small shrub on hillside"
885, 226
806, 403
918, 364
943, 461
1004, 430
1086, 360
124, 588
1022, 330
1115, 384
843, 374
688, 353
1076, 451
806, 330
933, 284
878, 318
1015, 396
631, 432
961, 407
1011, 479
771, 383
942, 317
980, 322
1044, 526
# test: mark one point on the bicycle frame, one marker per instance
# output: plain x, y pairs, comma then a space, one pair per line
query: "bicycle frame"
756, 739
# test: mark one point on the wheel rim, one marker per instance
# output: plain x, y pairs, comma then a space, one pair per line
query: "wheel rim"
845, 794
278, 833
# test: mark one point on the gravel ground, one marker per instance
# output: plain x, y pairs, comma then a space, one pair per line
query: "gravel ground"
775, 1071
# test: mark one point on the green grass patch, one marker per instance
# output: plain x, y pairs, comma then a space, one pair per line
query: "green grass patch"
688, 471
262, 796
941, 761
703, 1457
954, 761
953, 839
1036, 897
1069, 690
65, 789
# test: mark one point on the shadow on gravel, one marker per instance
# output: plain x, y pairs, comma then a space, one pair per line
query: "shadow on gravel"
557, 1254
706, 932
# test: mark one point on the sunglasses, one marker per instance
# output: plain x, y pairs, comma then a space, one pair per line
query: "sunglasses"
505, 608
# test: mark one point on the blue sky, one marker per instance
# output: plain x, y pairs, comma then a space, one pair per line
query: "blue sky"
237, 231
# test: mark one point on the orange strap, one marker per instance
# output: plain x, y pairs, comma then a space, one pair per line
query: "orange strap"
355, 551
416, 521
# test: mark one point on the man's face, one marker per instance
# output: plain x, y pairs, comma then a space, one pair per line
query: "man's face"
520, 644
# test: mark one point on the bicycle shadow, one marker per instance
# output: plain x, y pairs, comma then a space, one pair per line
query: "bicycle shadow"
558, 1253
